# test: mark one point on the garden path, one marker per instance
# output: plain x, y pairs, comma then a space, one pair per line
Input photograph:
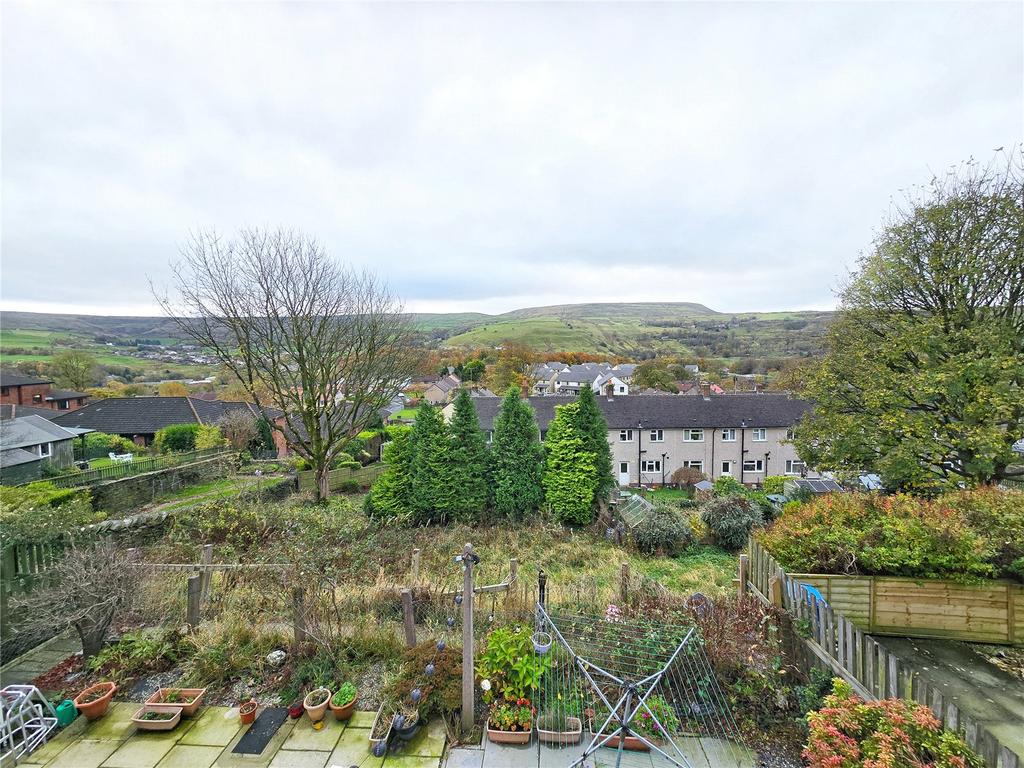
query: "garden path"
206, 741
24, 669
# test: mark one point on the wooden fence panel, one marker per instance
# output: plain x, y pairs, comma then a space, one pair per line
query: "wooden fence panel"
364, 476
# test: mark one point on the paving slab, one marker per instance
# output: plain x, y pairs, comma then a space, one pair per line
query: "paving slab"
462, 757
138, 752
300, 759
509, 755
352, 749
57, 743
362, 719
116, 725
85, 753
214, 727
428, 742
190, 756
228, 759
410, 761
304, 736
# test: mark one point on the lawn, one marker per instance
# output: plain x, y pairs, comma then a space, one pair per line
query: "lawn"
405, 413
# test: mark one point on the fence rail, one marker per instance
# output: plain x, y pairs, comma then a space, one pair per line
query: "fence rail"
338, 477
850, 652
131, 468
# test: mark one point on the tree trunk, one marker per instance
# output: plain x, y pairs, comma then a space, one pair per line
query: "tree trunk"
323, 483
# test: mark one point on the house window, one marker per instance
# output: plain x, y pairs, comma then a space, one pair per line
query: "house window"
753, 465
625, 435
37, 398
621, 389
657, 436
790, 434
650, 466
698, 465
727, 468
63, 405
623, 467
693, 435
3, 390
760, 435
490, 436
795, 467
45, 450
728, 435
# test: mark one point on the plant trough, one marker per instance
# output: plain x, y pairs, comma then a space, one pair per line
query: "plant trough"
186, 698
157, 717
571, 733
380, 732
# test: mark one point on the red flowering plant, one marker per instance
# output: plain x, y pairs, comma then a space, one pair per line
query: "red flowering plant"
848, 732
514, 715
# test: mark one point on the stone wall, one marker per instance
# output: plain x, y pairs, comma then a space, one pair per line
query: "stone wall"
126, 495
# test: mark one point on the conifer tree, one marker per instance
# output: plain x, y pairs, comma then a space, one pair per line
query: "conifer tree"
517, 457
570, 468
389, 497
431, 495
468, 460
594, 430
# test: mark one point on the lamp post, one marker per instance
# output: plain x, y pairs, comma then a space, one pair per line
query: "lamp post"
639, 454
664, 456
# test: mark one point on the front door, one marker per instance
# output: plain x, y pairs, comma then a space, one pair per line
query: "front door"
623, 473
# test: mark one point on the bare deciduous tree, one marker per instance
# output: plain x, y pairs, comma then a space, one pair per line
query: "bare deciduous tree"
329, 344
87, 589
239, 428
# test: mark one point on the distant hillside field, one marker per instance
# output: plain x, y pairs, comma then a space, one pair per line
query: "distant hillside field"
638, 330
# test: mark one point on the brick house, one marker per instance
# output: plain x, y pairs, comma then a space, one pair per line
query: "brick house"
17, 389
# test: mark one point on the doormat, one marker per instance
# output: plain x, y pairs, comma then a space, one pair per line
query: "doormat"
255, 740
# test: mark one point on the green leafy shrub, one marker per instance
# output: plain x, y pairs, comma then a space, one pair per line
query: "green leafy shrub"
176, 438
345, 461
208, 436
40, 512
664, 532
888, 734
139, 653
963, 535
666, 716
730, 519
510, 664
728, 486
345, 694
774, 484
101, 441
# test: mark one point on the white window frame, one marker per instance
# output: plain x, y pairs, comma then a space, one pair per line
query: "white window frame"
727, 468
728, 435
625, 435
753, 466
760, 435
45, 450
695, 464
790, 433
792, 469
657, 436
623, 464
650, 467
621, 389
688, 435
490, 435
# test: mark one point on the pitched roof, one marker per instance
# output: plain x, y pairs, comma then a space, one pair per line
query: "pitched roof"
64, 394
12, 411
15, 379
669, 411
30, 430
147, 415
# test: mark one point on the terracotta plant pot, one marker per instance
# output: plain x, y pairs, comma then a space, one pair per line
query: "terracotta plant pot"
345, 712
190, 699
168, 724
630, 742
508, 737
316, 712
98, 706
571, 735
247, 712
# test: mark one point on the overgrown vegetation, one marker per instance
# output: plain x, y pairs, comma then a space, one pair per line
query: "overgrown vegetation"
961, 535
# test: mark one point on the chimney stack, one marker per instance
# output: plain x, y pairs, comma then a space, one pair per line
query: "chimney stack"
705, 390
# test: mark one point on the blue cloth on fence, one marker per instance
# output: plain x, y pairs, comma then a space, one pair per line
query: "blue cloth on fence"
811, 590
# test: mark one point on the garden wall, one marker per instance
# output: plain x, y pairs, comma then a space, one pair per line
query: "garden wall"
989, 612
130, 493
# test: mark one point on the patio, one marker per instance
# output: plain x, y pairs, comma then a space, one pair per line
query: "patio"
207, 740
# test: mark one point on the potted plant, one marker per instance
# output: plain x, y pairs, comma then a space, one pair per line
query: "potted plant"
558, 727
597, 719
94, 700
343, 703
186, 698
156, 717
666, 722
406, 723
247, 712
380, 732
315, 703
510, 722
295, 709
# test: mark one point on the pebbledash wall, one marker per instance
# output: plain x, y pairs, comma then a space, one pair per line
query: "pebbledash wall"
130, 493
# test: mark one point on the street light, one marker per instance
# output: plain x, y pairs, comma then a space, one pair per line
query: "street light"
664, 456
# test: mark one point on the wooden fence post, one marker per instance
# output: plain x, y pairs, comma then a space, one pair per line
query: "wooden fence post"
624, 583
298, 616
744, 574
409, 617
416, 566
206, 573
542, 588
468, 700
192, 612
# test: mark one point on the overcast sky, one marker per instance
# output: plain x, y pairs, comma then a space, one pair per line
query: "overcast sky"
488, 157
